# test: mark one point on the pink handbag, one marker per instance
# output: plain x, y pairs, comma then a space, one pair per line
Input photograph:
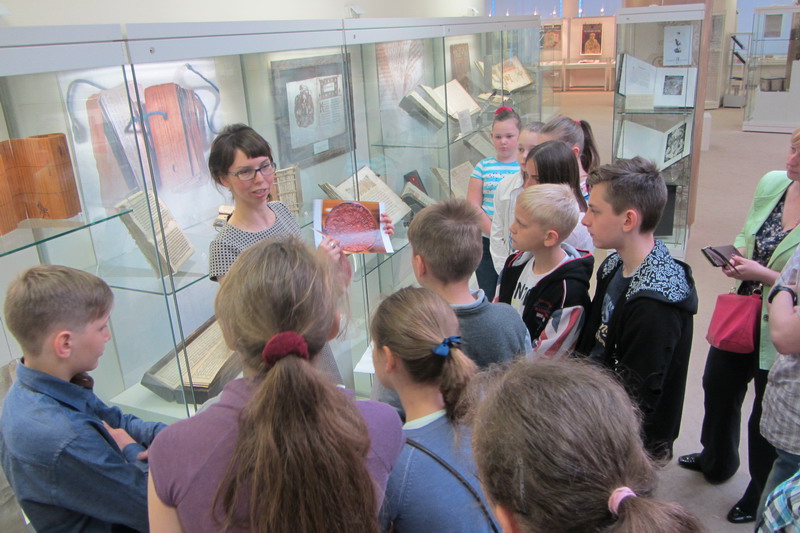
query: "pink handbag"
734, 322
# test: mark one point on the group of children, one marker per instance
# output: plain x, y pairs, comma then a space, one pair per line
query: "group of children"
554, 440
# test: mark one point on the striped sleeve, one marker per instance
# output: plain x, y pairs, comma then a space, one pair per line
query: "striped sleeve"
560, 334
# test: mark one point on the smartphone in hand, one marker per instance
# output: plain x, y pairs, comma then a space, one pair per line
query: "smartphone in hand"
720, 256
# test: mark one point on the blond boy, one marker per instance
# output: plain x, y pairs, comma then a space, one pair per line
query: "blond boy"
547, 281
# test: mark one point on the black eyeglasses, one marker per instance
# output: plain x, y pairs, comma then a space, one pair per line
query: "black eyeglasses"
267, 170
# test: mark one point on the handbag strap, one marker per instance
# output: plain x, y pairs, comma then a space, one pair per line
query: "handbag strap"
456, 474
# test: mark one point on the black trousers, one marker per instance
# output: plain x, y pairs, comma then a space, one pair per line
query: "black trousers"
725, 380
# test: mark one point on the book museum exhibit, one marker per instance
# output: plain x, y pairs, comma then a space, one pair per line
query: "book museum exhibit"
372, 112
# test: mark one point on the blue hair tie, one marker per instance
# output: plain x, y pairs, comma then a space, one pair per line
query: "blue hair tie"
443, 349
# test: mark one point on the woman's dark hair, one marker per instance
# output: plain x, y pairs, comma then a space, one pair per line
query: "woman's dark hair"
300, 458
556, 163
575, 133
411, 323
235, 137
554, 438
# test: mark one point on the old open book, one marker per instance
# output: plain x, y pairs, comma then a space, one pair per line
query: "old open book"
211, 365
173, 240
371, 188
458, 181
509, 75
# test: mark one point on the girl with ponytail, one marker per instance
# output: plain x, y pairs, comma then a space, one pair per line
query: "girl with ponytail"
433, 487
283, 449
558, 448
578, 135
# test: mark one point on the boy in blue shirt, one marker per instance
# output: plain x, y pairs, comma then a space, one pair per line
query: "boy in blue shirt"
74, 463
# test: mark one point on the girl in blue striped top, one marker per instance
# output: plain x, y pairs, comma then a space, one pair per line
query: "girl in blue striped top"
484, 180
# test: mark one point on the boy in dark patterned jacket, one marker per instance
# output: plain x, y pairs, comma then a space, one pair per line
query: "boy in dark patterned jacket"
641, 319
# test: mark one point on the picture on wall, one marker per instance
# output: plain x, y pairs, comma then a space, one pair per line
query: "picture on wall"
311, 108
678, 45
551, 36
772, 26
592, 40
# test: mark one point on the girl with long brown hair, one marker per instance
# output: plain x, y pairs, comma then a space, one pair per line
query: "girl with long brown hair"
284, 449
416, 353
558, 448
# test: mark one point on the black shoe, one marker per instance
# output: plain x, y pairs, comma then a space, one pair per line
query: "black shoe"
737, 515
690, 462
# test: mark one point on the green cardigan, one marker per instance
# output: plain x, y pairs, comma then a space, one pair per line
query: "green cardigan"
768, 193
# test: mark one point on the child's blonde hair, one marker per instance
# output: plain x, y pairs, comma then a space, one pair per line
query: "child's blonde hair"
551, 205
413, 322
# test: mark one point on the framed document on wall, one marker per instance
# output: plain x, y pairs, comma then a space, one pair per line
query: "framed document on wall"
592, 40
311, 106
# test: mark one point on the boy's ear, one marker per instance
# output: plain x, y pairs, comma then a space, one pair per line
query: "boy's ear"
631, 221
62, 344
551, 238
419, 265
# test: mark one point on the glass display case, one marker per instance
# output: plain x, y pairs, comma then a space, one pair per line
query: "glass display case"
553, 50
658, 51
471, 67
773, 72
389, 110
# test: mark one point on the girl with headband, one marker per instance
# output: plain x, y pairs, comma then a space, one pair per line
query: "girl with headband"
433, 486
283, 449
483, 183
558, 448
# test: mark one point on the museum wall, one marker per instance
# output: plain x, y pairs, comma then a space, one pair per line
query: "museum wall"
48, 12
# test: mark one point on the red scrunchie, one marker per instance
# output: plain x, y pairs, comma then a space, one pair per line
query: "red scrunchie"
501, 109
283, 344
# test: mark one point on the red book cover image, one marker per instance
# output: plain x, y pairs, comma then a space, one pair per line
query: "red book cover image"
355, 224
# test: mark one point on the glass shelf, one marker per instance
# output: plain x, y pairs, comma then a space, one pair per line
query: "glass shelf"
658, 111
429, 146
131, 271
34, 232
373, 261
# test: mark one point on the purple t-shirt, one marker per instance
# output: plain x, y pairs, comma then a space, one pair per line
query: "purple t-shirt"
189, 458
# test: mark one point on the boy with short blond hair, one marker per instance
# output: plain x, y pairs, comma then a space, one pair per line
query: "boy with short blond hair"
72, 461
547, 280
446, 248
641, 319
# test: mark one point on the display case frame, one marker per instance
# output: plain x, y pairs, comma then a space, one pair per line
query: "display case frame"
773, 72
656, 100
225, 71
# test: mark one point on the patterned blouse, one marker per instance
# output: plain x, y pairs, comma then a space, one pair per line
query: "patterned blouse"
231, 241
769, 236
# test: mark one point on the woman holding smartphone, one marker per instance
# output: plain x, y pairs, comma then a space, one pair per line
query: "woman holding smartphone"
766, 242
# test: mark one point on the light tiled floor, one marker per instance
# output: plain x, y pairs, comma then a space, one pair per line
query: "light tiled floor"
728, 175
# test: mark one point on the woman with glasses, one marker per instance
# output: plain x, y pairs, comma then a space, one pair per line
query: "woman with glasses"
241, 161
